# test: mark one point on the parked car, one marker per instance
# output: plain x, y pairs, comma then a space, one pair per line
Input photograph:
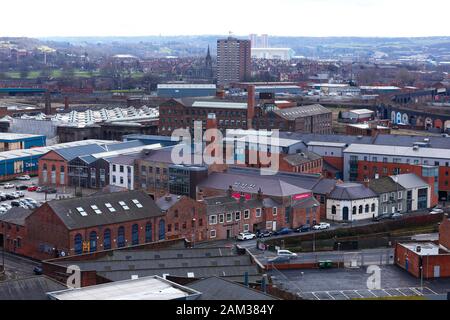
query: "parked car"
264, 233
246, 236
436, 210
30, 200
3, 210
51, 190
3, 196
16, 194
24, 177
322, 226
20, 193
37, 271
8, 186
6, 206
303, 228
279, 259
381, 217
283, 231
286, 253
15, 203
21, 187
395, 216
41, 189
32, 188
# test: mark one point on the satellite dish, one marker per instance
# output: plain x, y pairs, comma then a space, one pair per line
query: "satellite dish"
63, 254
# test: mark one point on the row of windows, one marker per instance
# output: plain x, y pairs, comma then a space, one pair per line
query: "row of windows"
204, 112
361, 209
228, 217
213, 233
121, 168
399, 160
184, 225
120, 240
157, 170
391, 197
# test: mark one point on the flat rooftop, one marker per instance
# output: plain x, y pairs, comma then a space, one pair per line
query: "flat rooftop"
148, 288
426, 248
17, 136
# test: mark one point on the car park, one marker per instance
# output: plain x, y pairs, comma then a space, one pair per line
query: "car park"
246, 236
286, 253
24, 177
264, 233
322, 226
283, 231
8, 186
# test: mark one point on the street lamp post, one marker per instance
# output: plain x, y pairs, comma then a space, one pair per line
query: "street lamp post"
193, 236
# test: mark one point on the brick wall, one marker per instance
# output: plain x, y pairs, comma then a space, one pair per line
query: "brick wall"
444, 233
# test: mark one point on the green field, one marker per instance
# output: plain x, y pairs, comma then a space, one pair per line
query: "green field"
54, 74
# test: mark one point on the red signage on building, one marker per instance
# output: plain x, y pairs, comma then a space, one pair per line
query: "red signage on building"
237, 195
301, 196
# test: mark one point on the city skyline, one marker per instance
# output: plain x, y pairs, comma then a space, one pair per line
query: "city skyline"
354, 18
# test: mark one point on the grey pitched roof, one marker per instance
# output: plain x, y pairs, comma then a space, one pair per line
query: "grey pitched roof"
125, 145
305, 181
127, 160
167, 202
324, 186
73, 152
215, 288
251, 184
16, 215
201, 262
302, 111
67, 209
384, 185
215, 205
33, 288
302, 157
409, 141
306, 203
410, 181
336, 138
351, 191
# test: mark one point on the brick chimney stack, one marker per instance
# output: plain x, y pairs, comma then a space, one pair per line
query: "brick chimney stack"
66, 103
251, 102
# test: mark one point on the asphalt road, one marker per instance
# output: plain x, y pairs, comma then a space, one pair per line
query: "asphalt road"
18, 267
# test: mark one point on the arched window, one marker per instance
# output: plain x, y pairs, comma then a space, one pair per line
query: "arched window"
162, 229
373, 207
93, 241
121, 237
360, 209
148, 232
107, 239
354, 210
367, 208
333, 210
78, 244
135, 234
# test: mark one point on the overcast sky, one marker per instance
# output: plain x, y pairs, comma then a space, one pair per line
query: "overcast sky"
379, 18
